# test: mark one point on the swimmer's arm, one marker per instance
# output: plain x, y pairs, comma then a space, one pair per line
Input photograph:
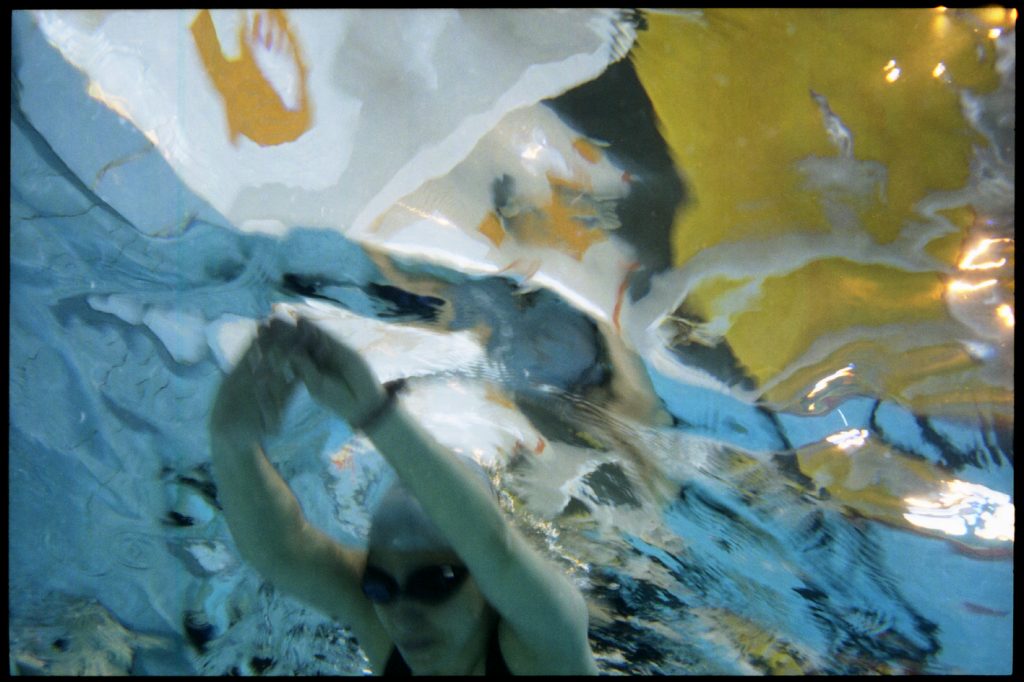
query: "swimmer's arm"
263, 514
272, 534
545, 616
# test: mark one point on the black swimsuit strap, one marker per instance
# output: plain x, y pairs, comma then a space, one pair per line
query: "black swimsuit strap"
495, 664
396, 665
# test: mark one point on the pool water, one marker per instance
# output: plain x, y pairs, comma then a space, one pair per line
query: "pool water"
723, 300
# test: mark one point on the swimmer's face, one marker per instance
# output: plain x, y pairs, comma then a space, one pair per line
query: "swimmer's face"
447, 635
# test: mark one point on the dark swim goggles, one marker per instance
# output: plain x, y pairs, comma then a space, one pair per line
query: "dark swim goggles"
428, 585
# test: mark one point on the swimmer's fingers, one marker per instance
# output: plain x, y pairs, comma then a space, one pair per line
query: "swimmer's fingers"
272, 395
326, 389
253, 397
336, 375
279, 339
276, 339
331, 356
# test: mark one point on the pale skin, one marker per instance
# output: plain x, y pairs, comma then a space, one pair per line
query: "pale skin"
541, 617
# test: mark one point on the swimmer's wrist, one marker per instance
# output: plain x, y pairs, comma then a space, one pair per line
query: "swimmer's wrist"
391, 391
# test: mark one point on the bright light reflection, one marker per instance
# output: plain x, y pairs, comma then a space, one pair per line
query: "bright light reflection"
1005, 313
433, 216
892, 72
967, 262
849, 439
994, 15
995, 33
532, 151
958, 286
964, 508
823, 384
116, 104
939, 69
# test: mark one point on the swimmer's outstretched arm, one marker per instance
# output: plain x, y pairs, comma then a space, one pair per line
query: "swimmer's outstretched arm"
265, 518
545, 617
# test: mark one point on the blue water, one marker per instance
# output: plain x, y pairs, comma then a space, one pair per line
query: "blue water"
700, 546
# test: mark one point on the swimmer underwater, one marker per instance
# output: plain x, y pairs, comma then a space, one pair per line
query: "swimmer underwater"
446, 585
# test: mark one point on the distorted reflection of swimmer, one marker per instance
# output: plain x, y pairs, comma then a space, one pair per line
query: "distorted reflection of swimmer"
446, 584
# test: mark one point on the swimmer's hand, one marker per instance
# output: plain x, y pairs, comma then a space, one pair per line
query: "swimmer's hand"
252, 398
336, 376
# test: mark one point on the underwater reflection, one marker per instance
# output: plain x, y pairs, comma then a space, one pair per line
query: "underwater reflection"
728, 316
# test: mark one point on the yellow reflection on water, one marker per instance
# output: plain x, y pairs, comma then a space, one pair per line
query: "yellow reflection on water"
753, 70
865, 476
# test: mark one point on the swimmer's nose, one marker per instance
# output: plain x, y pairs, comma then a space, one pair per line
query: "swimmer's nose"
409, 613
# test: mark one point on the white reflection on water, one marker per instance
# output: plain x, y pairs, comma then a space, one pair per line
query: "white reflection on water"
964, 508
849, 439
